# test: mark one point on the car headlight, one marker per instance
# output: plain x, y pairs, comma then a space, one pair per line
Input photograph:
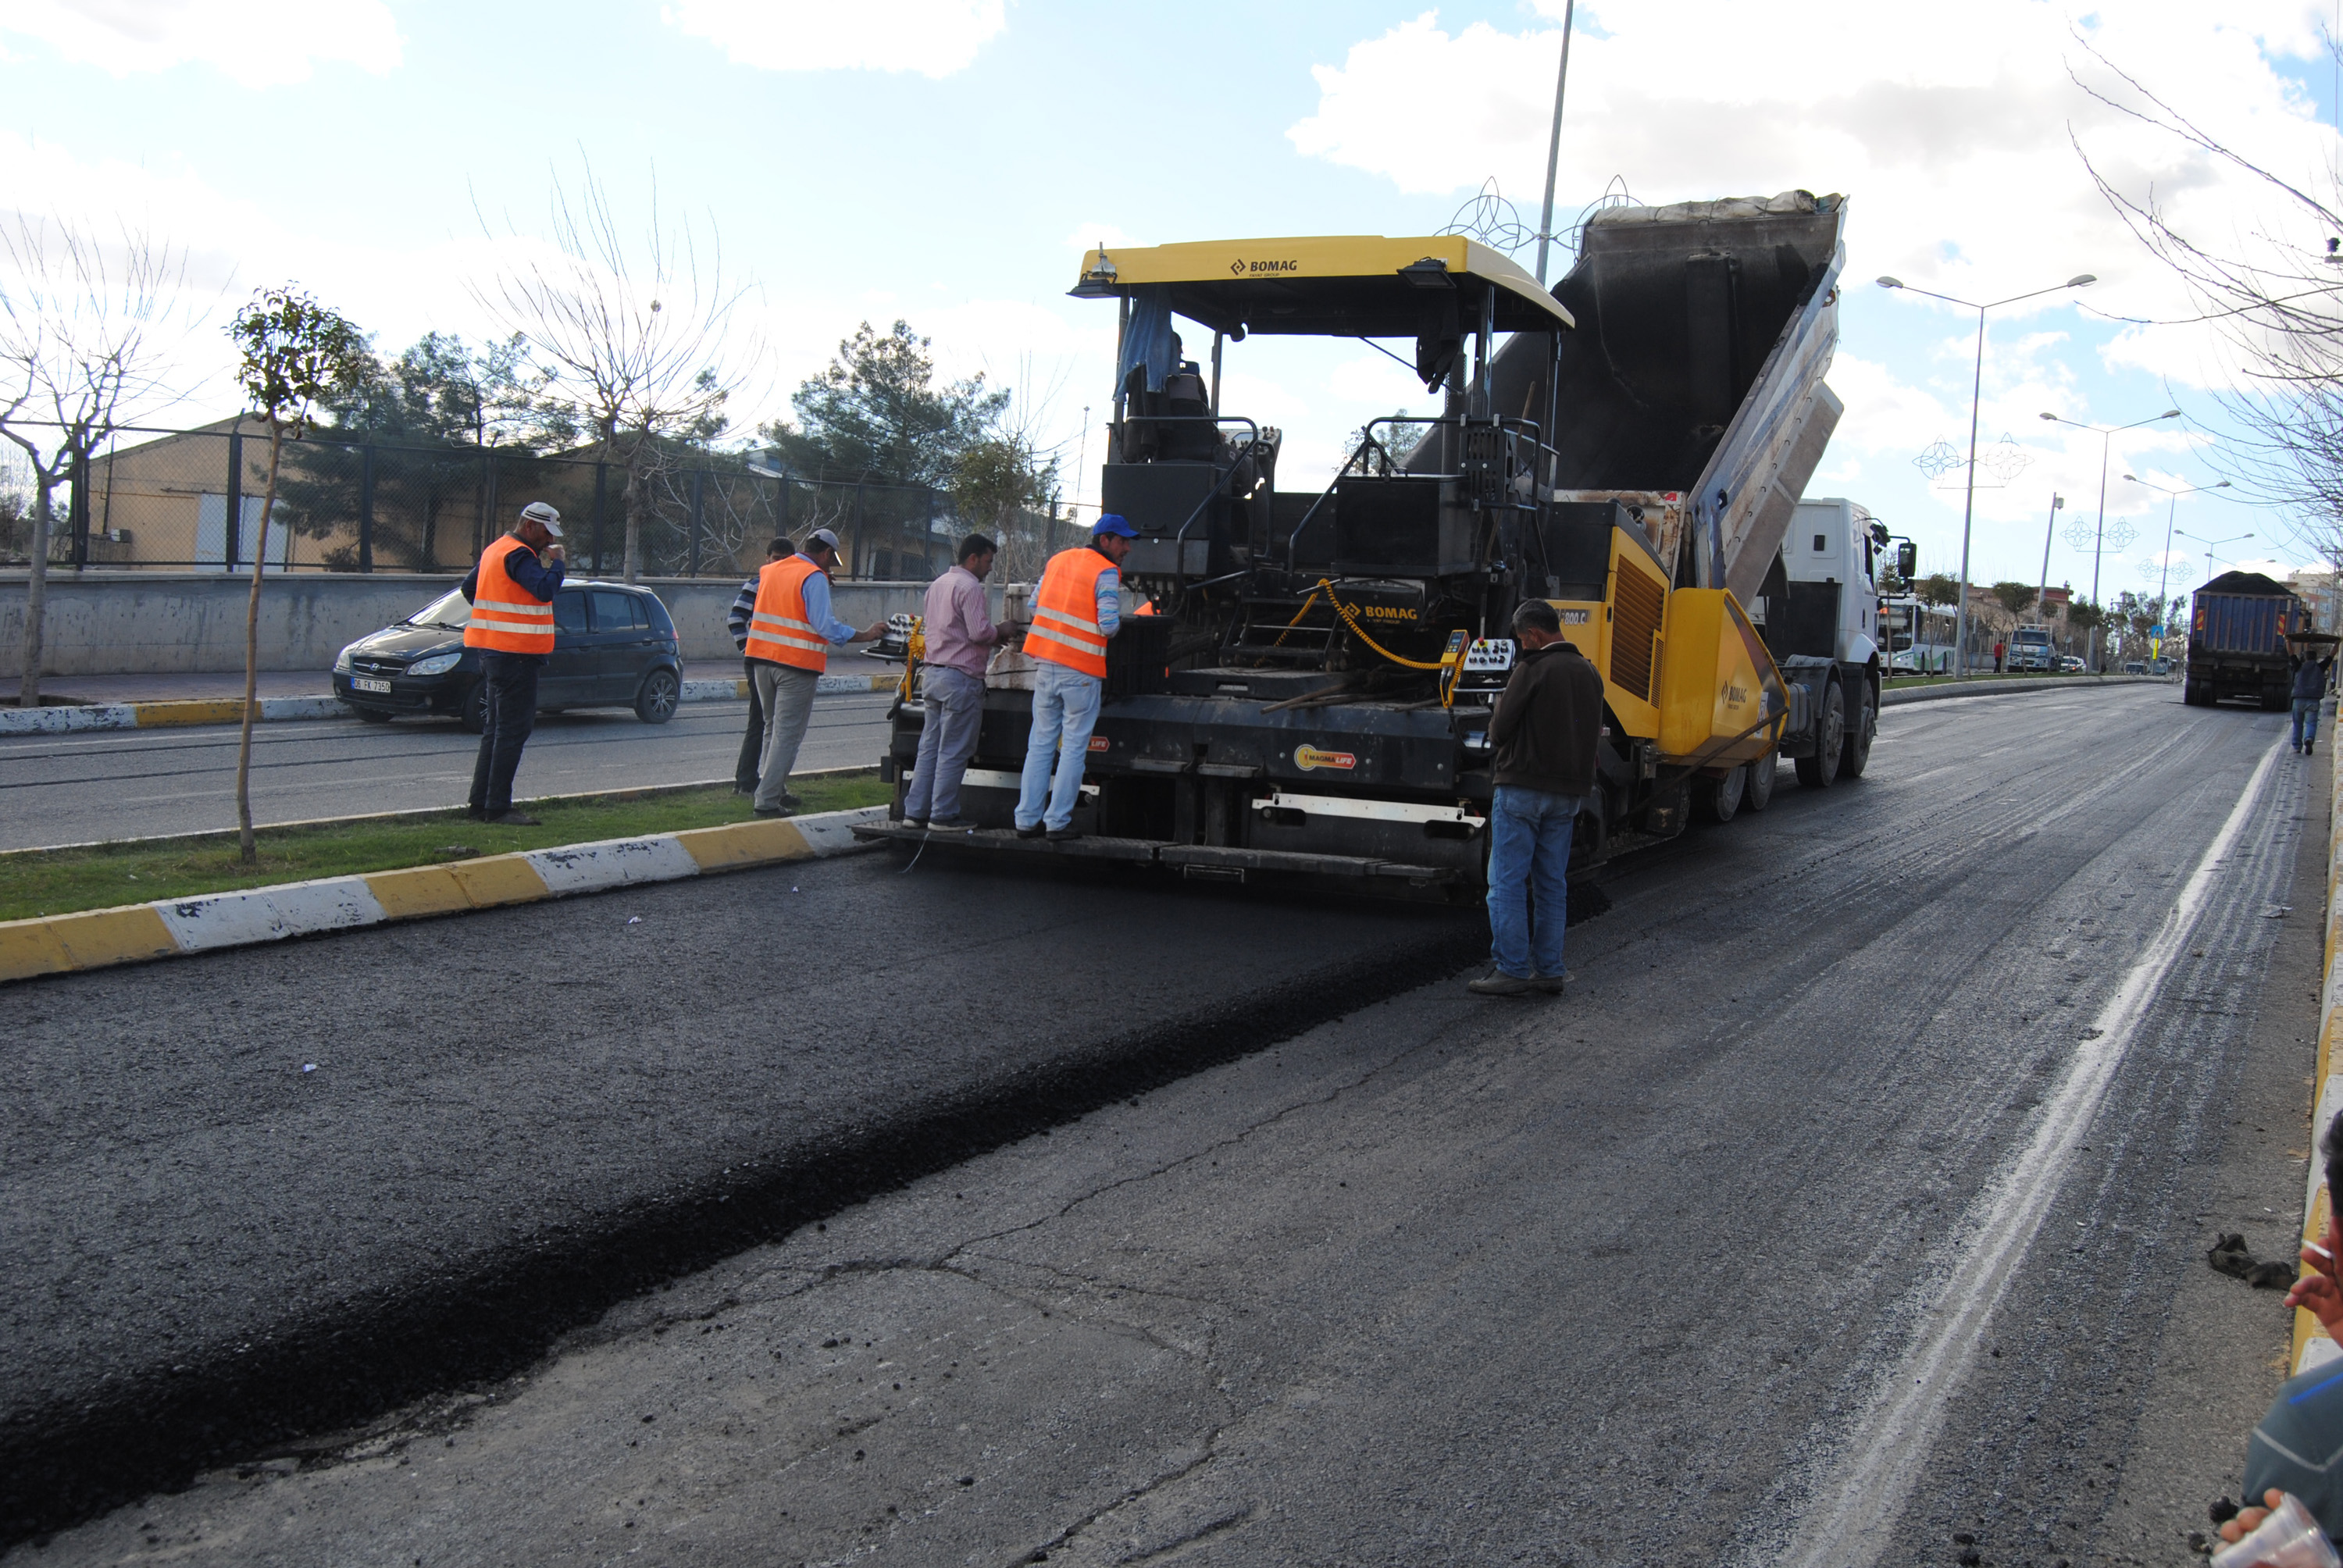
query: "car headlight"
342, 660
438, 664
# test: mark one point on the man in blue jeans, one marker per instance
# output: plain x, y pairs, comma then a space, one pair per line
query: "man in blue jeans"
1543, 733
2310, 675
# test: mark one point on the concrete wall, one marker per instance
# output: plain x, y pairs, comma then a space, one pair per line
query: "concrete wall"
132, 623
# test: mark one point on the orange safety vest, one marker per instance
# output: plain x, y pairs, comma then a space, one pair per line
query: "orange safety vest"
1065, 629
778, 628
507, 616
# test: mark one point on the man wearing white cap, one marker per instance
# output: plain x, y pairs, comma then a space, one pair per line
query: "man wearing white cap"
512, 591
790, 633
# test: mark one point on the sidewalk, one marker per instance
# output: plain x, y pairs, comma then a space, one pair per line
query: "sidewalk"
226, 685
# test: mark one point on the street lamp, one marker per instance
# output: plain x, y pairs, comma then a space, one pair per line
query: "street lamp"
2164, 579
1976, 390
2105, 433
2209, 545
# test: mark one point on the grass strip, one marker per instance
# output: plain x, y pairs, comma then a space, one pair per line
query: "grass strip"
61, 881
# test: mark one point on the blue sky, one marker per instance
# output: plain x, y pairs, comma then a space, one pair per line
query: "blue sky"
944, 160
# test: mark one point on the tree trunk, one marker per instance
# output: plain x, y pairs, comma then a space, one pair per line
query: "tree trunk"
37, 594
630, 502
247, 850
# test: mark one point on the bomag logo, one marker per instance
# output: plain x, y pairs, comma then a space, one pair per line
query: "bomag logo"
1736, 695
1262, 268
1309, 758
1385, 612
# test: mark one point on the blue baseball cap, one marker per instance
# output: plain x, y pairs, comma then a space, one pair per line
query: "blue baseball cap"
1112, 523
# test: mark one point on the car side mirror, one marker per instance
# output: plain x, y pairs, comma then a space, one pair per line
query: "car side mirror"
1908, 559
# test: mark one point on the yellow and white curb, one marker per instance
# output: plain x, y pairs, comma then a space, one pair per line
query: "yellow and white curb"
173, 928
2312, 1344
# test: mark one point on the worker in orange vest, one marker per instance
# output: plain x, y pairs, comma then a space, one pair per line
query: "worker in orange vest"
790, 633
1076, 609
511, 590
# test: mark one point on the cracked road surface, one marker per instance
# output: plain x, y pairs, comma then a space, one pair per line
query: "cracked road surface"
1607, 1280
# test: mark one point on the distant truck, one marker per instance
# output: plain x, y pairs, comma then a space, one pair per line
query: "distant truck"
2237, 628
2029, 648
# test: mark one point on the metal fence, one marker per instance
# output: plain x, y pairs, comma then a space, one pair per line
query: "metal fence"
190, 500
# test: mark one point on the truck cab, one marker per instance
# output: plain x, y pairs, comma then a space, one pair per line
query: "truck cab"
2029, 648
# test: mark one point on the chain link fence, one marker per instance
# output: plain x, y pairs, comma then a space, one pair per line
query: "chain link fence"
190, 500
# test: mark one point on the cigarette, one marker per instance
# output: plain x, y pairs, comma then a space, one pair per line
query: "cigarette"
2315, 1247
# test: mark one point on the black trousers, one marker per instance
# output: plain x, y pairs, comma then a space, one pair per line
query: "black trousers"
752, 745
511, 680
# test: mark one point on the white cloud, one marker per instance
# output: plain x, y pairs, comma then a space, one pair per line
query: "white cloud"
1953, 141
257, 43
933, 38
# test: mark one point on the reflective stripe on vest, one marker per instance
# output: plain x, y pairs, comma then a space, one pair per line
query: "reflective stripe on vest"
779, 631
505, 618
1065, 629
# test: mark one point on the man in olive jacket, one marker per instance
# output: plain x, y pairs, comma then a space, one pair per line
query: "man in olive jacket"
1548, 721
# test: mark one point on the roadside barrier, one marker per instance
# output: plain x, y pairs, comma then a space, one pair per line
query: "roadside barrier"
62, 720
175, 928
2311, 1344
1998, 687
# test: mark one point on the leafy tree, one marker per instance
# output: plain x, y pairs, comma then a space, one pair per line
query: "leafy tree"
2083, 615
1939, 588
2015, 597
291, 352
1393, 443
1002, 487
875, 412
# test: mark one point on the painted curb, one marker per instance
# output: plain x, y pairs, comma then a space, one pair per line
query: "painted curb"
173, 928
1904, 694
230, 709
2312, 1344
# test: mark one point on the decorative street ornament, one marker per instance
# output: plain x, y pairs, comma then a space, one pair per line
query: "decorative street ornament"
1997, 464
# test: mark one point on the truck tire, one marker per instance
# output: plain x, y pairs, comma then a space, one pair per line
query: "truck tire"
2275, 702
2192, 694
1856, 754
1757, 793
1719, 799
1820, 771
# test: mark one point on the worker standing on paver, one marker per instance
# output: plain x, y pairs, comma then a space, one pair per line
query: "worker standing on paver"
790, 633
1544, 732
2311, 675
960, 637
511, 589
1076, 608
736, 621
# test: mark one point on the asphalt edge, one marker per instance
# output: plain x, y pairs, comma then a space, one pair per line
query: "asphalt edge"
1897, 696
230, 709
179, 928
2312, 1344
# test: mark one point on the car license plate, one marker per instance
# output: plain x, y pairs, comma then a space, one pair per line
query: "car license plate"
364, 683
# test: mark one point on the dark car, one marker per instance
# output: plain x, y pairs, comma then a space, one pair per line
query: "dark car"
613, 647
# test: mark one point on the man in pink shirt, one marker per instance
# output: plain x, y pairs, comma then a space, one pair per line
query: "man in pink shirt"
961, 638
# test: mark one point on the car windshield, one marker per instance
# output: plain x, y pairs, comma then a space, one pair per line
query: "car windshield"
451, 611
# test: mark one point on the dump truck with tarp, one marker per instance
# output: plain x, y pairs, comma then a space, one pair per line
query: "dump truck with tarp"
1310, 693
2237, 628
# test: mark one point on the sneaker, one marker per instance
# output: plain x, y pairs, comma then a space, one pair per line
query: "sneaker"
791, 802
1554, 985
747, 788
515, 820
913, 822
1035, 832
771, 810
1065, 835
950, 825
1497, 982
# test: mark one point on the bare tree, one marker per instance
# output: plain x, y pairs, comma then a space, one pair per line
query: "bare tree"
291, 352
639, 330
2275, 296
86, 329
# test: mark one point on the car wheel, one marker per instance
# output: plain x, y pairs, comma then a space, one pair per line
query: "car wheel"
371, 715
1820, 771
655, 703
474, 709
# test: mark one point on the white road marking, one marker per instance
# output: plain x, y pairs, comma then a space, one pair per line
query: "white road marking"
1850, 1522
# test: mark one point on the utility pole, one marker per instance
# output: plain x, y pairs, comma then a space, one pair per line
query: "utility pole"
2042, 588
1554, 143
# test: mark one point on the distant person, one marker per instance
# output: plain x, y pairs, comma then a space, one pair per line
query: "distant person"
510, 589
1999, 650
961, 638
2293, 1448
1076, 609
2310, 680
736, 621
790, 633
1544, 731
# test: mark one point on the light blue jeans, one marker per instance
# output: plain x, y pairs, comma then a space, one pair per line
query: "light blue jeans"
1529, 848
954, 701
1065, 711
2306, 721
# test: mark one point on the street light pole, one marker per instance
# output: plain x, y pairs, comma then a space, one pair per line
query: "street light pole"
1553, 144
2105, 433
1976, 391
2171, 514
2042, 590
2209, 544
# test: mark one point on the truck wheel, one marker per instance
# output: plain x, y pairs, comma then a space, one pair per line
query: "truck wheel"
1820, 771
1717, 799
1757, 792
1856, 754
